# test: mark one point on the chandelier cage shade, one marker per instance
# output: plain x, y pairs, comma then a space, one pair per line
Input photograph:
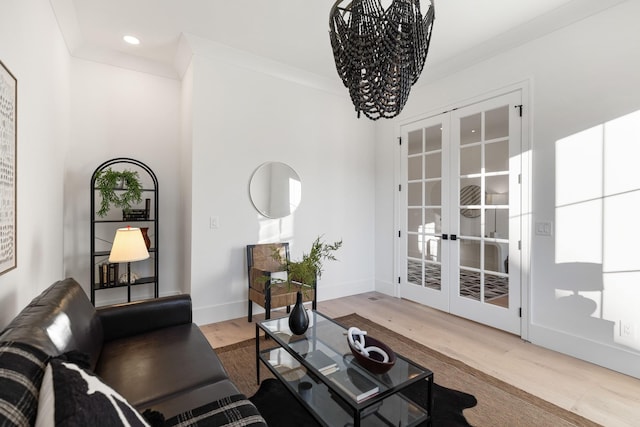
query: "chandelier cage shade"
128, 246
379, 54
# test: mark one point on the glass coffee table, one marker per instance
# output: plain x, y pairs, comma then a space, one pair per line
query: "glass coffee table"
320, 371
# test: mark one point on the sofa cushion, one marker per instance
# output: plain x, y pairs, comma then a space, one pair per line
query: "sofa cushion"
21, 370
153, 366
194, 398
60, 319
72, 396
138, 317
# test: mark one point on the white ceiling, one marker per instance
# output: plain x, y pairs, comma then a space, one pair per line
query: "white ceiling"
295, 32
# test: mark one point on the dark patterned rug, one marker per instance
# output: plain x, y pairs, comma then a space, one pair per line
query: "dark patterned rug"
280, 409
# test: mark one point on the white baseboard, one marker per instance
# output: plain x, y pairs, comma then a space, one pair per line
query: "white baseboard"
222, 312
608, 356
327, 292
387, 288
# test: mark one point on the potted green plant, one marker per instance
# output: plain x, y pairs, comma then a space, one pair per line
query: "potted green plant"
118, 188
303, 274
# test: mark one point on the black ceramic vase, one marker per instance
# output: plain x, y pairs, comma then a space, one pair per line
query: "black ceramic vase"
298, 319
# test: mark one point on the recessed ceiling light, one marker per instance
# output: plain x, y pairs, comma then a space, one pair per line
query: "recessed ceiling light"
131, 39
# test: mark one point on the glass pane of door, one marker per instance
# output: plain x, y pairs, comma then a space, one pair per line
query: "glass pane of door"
424, 207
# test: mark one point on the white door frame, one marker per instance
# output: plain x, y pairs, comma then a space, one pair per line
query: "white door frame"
526, 191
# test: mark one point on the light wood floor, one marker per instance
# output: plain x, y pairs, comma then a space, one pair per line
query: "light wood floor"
603, 396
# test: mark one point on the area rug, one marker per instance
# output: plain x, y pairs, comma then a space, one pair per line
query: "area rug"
498, 403
280, 409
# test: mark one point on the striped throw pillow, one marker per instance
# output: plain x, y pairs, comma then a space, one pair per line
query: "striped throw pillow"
21, 370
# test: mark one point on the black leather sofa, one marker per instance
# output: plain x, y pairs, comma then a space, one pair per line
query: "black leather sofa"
150, 351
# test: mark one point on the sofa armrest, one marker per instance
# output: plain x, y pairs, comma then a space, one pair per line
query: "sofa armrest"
124, 320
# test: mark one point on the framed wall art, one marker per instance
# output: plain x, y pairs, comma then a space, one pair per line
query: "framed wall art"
8, 142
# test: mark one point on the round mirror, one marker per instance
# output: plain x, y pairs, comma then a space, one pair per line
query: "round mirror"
470, 195
275, 189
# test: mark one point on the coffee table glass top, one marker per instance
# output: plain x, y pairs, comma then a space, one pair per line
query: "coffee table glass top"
317, 365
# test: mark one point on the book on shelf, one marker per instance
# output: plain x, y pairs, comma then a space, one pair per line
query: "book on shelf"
135, 215
103, 274
112, 274
107, 275
355, 384
364, 413
330, 370
322, 362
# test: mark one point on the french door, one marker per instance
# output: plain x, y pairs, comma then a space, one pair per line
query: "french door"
460, 212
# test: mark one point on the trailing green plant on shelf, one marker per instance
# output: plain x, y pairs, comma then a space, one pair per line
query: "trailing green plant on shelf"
305, 272
118, 188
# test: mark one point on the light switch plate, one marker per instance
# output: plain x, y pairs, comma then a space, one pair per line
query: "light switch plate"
544, 228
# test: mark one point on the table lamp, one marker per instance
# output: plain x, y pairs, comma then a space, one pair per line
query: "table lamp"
128, 246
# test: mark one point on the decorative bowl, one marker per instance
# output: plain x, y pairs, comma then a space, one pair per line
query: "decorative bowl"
374, 363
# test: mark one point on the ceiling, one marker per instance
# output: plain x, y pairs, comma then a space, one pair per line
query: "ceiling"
295, 32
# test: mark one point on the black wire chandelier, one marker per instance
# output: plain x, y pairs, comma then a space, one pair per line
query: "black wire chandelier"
379, 53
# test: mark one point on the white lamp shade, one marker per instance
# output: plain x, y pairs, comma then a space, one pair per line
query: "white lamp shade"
128, 246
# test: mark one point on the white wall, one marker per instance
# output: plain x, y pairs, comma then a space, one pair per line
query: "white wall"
246, 111
33, 49
121, 113
581, 76
186, 177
